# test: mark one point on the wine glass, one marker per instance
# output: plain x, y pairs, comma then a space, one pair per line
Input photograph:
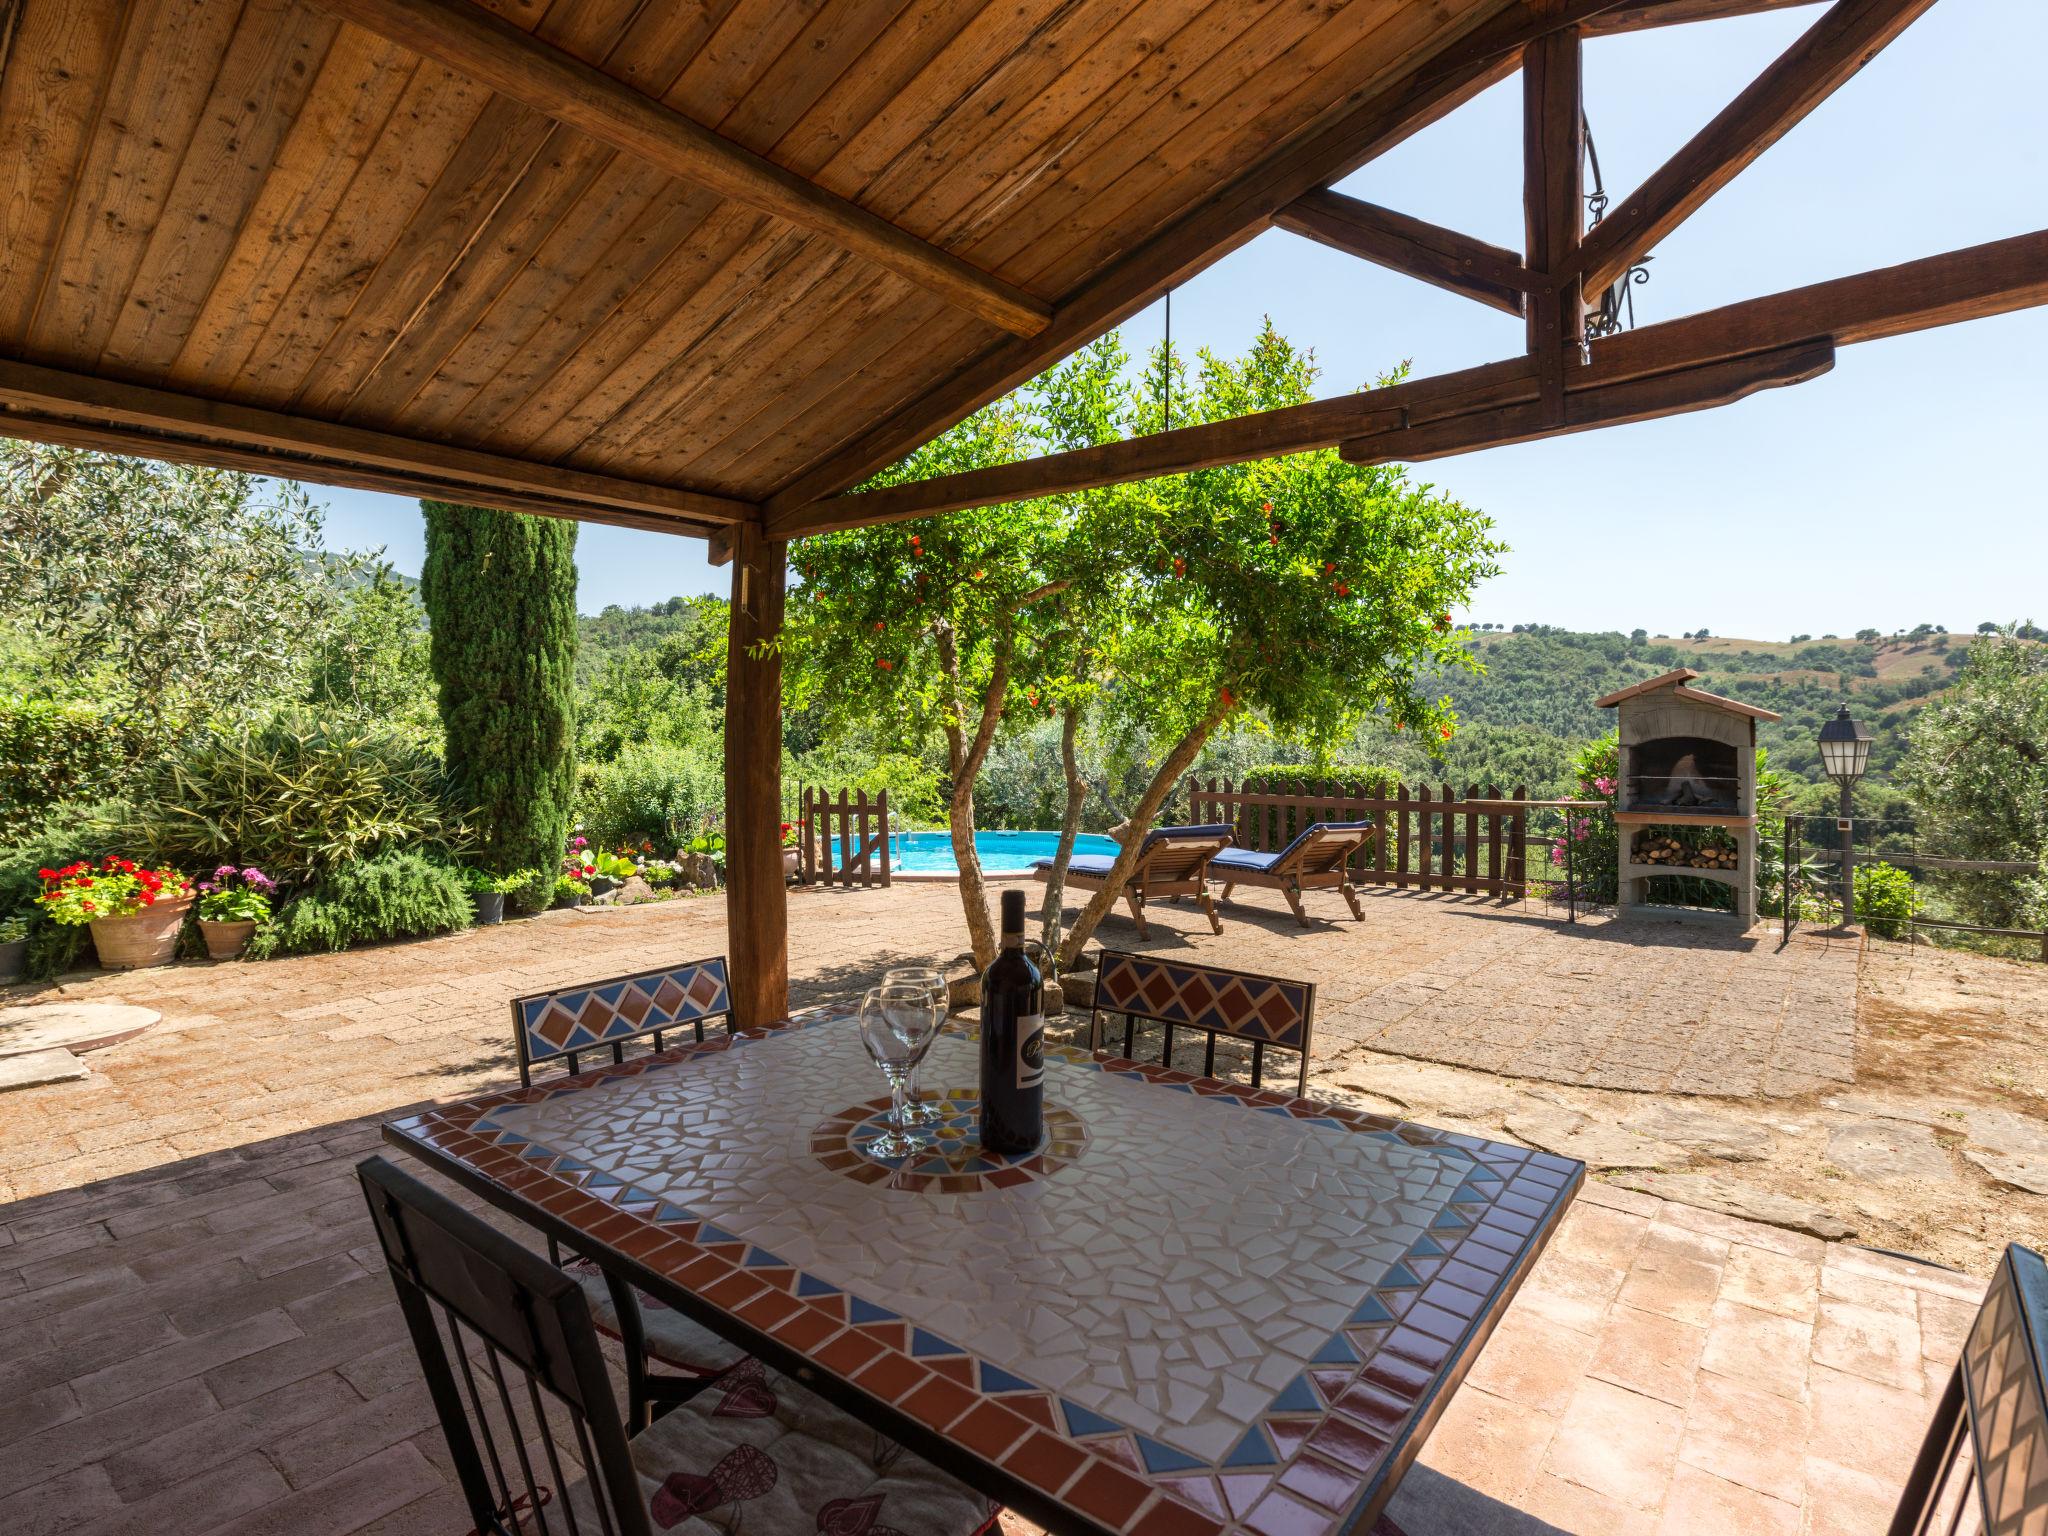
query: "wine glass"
921, 1110
896, 1026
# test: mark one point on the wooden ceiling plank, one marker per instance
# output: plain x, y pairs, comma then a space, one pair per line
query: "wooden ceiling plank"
362, 82
1186, 140
155, 97
1670, 13
572, 92
49, 391
1151, 190
1442, 257
46, 119
1826, 56
1797, 329
1349, 135
277, 56
145, 443
1677, 393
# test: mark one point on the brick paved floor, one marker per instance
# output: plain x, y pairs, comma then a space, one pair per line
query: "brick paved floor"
194, 1335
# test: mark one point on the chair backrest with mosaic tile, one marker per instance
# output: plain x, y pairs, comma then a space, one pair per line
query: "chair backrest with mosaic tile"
1984, 1464
510, 1354
598, 1014
1178, 994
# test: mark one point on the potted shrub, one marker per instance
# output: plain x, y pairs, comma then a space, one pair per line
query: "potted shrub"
487, 894
792, 856
134, 913
608, 872
13, 948
571, 893
579, 863
232, 906
528, 891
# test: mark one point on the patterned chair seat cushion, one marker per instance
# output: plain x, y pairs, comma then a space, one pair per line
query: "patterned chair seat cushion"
673, 1340
755, 1452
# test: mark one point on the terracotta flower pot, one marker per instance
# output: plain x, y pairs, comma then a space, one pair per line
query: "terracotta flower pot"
225, 941
792, 862
150, 937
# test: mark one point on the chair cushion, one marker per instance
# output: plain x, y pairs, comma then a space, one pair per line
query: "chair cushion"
1089, 863
1243, 858
756, 1452
1188, 834
673, 1340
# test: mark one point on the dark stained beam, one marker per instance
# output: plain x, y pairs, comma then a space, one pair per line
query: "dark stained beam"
1938, 290
152, 422
473, 42
1847, 37
756, 901
1553, 204
1357, 131
1599, 405
1671, 13
1488, 273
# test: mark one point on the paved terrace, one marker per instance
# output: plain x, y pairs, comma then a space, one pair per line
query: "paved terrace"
195, 1334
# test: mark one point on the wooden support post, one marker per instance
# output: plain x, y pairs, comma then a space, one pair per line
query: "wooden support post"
756, 908
1553, 207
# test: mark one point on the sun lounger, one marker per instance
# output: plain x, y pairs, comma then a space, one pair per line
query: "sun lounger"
1172, 861
1318, 859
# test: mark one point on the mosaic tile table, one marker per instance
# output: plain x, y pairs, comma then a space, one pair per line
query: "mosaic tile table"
1199, 1309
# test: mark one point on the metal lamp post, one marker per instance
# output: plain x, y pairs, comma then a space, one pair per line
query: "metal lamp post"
1844, 754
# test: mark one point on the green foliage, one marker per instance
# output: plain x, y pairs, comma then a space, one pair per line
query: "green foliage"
51, 751
370, 663
1594, 839
568, 891
912, 783
654, 793
391, 896
302, 798
500, 589
185, 594
529, 890
1884, 899
1978, 773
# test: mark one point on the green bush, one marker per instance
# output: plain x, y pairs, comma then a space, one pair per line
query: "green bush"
568, 891
530, 890
651, 793
300, 797
392, 896
1884, 899
1340, 779
52, 752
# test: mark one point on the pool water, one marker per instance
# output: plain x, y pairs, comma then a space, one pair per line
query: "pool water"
931, 853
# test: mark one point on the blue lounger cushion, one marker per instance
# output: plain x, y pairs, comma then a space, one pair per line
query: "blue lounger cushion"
1099, 863
1263, 863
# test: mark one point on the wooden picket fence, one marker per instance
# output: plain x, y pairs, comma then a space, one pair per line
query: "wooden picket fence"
843, 841
1476, 843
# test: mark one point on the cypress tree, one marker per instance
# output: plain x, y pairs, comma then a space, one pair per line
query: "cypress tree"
500, 593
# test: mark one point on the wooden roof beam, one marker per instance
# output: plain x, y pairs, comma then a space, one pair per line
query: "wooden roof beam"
1333, 149
1598, 404
1796, 328
130, 418
1443, 257
1670, 13
473, 42
1806, 74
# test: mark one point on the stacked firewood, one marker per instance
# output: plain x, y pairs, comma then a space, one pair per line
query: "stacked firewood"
1660, 848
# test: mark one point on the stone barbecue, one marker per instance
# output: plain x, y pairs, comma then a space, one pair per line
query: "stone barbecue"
1686, 804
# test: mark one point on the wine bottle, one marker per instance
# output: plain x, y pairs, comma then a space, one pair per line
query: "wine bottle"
1012, 1042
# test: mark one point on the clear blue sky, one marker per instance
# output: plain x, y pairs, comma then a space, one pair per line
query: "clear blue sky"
1905, 487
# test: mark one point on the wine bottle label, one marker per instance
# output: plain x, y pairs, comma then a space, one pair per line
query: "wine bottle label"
1031, 1050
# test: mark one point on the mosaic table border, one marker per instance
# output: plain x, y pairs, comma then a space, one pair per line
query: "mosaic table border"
1320, 1460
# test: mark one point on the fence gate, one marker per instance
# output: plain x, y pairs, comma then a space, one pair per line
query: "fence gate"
1477, 842
843, 842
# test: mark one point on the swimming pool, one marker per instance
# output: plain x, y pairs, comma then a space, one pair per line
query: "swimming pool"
931, 853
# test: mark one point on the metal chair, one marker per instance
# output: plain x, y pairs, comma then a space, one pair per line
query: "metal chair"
564, 1023
548, 1026
1263, 1010
1983, 1467
512, 1363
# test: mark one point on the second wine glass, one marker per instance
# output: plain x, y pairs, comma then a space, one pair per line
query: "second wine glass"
896, 1027
920, 1109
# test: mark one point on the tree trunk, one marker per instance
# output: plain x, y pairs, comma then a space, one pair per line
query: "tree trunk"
1133, 831
1070, 828
964, 759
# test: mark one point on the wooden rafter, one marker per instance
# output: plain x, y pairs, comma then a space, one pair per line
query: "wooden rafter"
129, 418
1938, 290
1591, 403
473, 42
1669, 13
1363, 130
1488, 273
1833, 49
1553, 203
